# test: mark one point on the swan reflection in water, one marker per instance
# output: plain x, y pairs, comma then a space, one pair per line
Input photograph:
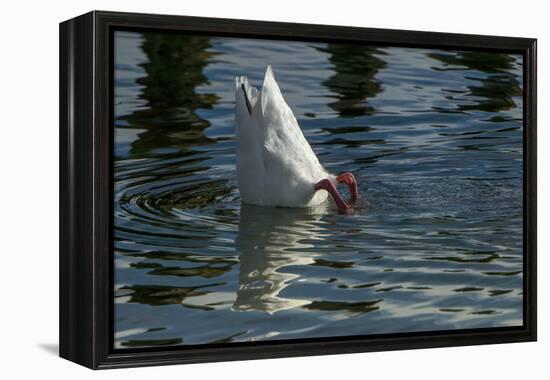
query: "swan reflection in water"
270, 241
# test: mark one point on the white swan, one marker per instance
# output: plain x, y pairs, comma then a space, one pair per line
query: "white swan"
275, 164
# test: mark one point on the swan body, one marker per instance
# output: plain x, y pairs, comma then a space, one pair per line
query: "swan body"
275, 164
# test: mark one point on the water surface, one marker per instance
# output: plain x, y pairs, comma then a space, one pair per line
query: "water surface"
433, 137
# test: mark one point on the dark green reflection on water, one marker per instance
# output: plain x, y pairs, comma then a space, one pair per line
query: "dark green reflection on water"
351, 307
496, 89
151, 342
355, 67
174, 69
156, 295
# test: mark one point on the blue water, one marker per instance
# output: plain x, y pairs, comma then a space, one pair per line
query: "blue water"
433, 137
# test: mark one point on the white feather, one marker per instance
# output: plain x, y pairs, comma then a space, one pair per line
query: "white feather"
275, 164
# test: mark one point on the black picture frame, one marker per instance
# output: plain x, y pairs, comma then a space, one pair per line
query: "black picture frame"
86, 299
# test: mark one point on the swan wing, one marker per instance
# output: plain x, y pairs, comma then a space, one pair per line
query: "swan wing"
248, 133
286, 151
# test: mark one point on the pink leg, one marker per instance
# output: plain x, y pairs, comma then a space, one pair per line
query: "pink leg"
349, 180
326, 184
